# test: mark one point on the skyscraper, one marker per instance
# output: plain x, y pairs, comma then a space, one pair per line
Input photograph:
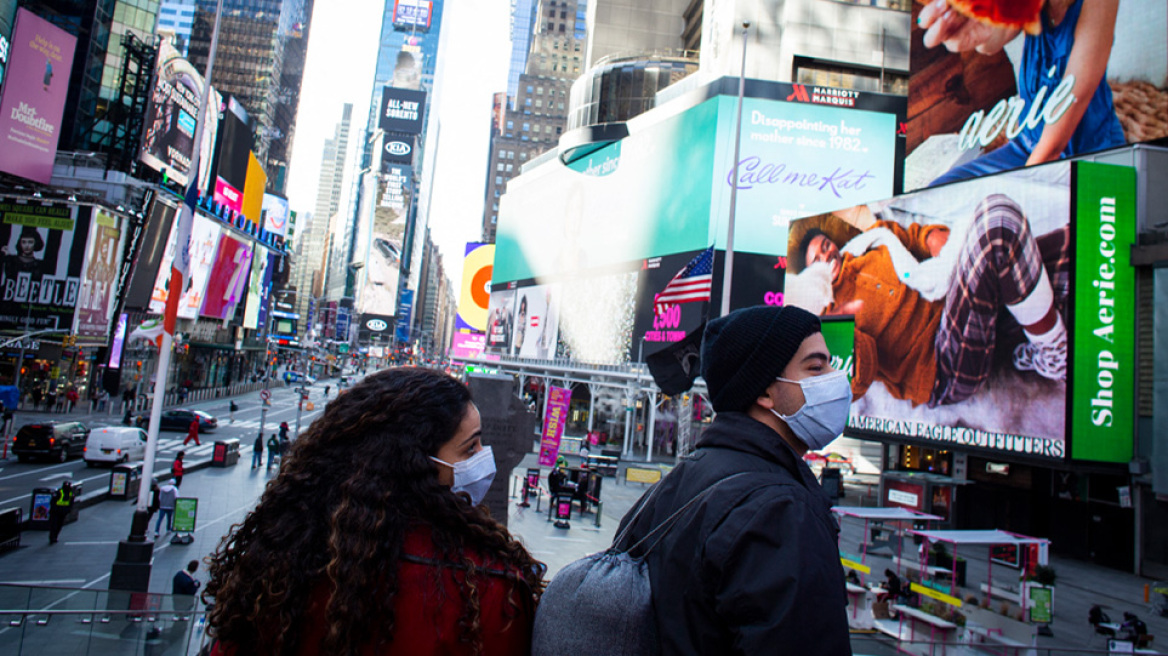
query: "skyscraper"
262, 47
176, 19
313, 255
328, 204
393, 152
538, 113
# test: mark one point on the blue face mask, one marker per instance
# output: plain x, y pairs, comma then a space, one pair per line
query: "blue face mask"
473, 475
824, 414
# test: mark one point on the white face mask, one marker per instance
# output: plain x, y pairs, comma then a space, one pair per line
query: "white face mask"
473, 475
824, 414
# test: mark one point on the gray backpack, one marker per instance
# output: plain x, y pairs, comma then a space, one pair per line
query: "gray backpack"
602, 604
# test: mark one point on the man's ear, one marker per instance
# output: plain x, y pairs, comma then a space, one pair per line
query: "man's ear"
765, 399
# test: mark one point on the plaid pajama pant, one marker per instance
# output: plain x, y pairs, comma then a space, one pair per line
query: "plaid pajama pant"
999, 265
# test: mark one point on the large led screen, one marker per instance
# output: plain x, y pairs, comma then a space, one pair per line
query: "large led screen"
168, 140
474, 297
228, 280
1092, 76
204, 243
613, 228
34, 97
42, 250
99, 275
973, 307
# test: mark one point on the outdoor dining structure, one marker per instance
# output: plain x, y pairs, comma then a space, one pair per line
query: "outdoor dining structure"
937, 612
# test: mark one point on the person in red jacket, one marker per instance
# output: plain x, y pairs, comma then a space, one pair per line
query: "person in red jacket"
176, 468
193, 432
372, 539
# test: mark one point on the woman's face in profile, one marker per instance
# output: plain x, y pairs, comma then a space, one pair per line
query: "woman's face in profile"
467, 441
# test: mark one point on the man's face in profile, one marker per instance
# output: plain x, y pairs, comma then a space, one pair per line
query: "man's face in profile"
822, 249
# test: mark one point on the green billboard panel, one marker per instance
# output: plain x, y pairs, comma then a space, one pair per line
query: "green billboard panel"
1103, 359
185, 512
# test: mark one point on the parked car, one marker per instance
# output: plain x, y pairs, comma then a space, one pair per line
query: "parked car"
51, 440
109, 445
180, 419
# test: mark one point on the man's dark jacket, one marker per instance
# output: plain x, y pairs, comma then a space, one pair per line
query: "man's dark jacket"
754, 567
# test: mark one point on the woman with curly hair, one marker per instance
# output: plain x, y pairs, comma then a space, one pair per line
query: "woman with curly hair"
371, 539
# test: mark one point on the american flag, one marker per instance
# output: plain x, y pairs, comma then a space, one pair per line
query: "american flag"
690, 284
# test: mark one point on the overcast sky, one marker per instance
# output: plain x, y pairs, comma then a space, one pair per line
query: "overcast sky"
342, 53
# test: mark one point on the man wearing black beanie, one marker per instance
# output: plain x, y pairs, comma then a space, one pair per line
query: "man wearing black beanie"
751, 564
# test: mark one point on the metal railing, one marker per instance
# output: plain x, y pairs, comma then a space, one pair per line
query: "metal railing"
875, 644
46, 621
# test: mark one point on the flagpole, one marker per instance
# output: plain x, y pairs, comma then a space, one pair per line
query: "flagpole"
139, 527
728, 264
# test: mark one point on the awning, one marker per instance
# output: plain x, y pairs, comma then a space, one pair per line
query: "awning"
993, 536
884, 514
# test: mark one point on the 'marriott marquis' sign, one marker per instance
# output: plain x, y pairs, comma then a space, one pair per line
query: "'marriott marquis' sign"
941, 352
1021, 93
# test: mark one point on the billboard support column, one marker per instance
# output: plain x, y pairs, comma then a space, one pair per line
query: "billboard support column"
651, 431
728, 264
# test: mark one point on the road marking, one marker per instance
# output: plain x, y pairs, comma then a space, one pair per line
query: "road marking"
42, 469
55, 476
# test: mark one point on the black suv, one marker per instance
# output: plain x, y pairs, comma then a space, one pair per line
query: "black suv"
51, 439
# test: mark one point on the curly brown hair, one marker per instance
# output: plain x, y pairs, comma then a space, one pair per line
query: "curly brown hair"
350, 490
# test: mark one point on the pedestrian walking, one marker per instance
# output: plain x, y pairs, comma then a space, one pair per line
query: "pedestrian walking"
7, 421
182, 395
752, 567
51, 401
377, 519
167, 495
36, 398
257, 451
176, 468
326, 391
273, 449
71, 398
283, 431
285, 445
102, 401
62, 505
233, 407
128, 399
128, 418
192, 432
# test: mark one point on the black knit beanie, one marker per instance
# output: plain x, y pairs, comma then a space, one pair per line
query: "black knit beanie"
744, 351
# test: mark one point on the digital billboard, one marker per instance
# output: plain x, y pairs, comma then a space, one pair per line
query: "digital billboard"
396, 150
34, 96
986, 315
253, 190
42, 251
227, 281
276, 214
99, 275
475, 295
169, 135
258, 281
153, 250
383, 258
204, 243
613, 227
233, 155
402, 110
412, 14
1090, 76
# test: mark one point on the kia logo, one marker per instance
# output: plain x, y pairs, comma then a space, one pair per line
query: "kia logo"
397, 148
376, 325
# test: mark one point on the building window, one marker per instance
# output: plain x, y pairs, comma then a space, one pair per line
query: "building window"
510, 125
526, 127
499, 166
510, 167
498, 180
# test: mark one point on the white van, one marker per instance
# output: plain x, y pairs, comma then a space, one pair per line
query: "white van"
113, 444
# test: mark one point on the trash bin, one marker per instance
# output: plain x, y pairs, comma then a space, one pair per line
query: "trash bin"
226, 453
39, 506
125, 481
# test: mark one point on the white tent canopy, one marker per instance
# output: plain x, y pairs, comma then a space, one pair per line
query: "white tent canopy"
884, 514
991, 537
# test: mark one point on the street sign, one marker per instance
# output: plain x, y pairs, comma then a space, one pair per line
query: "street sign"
265, 395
